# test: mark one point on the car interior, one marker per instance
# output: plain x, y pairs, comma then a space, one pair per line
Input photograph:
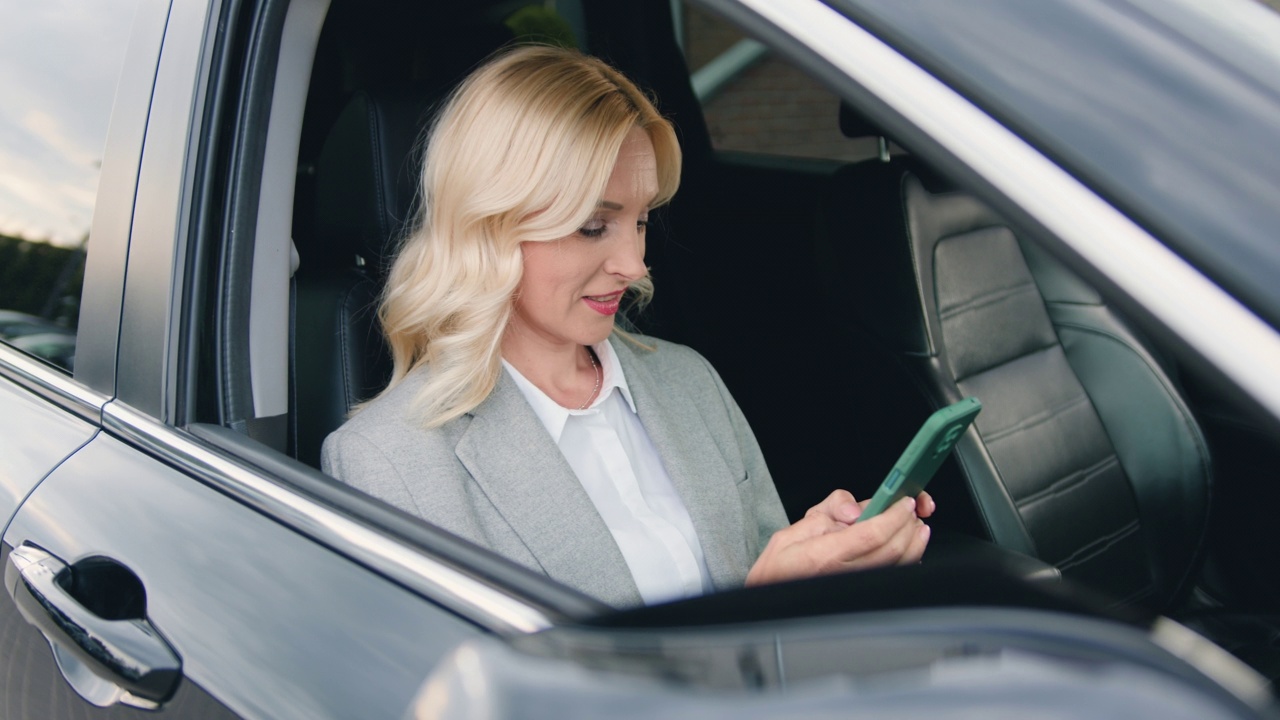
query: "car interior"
841, 300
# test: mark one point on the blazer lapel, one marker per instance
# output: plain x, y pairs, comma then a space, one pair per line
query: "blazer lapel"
510, 455
697, 469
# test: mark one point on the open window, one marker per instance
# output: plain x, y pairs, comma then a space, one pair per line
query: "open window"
314, 171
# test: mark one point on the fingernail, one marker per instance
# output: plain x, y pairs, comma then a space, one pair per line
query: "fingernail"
850, 511
925, 532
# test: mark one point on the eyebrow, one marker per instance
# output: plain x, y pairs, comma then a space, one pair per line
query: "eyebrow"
610, 205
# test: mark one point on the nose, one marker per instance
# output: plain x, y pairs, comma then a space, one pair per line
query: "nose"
626, 257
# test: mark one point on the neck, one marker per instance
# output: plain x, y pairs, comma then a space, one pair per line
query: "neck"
568, 374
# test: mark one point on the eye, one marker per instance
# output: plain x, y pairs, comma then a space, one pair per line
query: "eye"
642, 225
593, 229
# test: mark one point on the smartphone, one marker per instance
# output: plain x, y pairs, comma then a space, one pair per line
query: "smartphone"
923, 455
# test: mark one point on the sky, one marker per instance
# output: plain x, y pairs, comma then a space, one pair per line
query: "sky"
59, 63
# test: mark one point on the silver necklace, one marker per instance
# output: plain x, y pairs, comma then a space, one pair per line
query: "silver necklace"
595, 364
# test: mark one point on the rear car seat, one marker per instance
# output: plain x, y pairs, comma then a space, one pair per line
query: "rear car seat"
366, 180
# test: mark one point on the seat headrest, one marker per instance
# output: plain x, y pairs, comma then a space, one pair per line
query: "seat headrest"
366, 178
367, 172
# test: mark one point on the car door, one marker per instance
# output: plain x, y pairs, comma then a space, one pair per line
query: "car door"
45, 413
241, 615
52, 157
151, 569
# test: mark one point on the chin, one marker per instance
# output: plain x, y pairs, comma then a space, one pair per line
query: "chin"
596, 336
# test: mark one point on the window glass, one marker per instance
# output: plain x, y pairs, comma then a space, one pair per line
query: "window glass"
757, 102
59, 63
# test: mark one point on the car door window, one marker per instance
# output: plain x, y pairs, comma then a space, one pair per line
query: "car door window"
59, 63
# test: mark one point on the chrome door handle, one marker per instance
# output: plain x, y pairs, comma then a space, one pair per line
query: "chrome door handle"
106, 659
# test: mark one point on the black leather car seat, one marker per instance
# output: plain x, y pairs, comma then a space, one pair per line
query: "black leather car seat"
364, 186
1085, 454
366, 179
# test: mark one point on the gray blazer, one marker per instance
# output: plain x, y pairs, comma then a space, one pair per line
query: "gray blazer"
495, 477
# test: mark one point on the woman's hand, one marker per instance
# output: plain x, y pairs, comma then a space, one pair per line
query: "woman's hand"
827, 541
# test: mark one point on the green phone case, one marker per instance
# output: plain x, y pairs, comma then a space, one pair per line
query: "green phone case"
923, 455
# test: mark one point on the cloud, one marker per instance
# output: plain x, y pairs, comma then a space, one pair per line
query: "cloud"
60, 61
73, 149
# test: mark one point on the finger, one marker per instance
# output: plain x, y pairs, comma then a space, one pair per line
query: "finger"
789, 553
925, 506
840, 506
882, 540
902, 536
916, 547
811, 525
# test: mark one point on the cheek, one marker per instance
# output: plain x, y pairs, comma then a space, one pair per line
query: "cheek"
560, 268
544, 276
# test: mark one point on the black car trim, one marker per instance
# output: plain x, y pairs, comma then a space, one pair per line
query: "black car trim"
1156, 281
246, 153
51, 384
450, 586
196, 349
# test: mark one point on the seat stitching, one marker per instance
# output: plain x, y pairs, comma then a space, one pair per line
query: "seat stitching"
1070, 480
985, 299
1190, 425
348, 396
1098, 546
1003, 363
376, 141
1038, 419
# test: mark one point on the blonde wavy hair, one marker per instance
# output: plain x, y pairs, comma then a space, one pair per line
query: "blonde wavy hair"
521, 152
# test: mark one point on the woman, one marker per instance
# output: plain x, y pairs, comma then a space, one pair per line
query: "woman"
519, 417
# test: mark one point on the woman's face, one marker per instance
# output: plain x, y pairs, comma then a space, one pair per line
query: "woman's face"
572, 286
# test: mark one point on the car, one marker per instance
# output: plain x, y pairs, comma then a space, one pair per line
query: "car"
13, 318
56, 347
18, 324
1067, 210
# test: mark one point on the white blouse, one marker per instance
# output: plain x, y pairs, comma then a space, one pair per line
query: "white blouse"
618, 466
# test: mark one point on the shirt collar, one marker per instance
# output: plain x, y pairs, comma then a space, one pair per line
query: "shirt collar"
551, 414
613, 375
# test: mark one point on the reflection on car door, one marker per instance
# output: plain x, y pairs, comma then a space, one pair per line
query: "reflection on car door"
35, 436
263, 619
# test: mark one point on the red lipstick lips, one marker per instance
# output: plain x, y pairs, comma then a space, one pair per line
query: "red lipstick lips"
604, 304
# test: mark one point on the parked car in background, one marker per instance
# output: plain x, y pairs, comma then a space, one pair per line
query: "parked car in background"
1068, 210
17, 324
39, 337
58, 347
